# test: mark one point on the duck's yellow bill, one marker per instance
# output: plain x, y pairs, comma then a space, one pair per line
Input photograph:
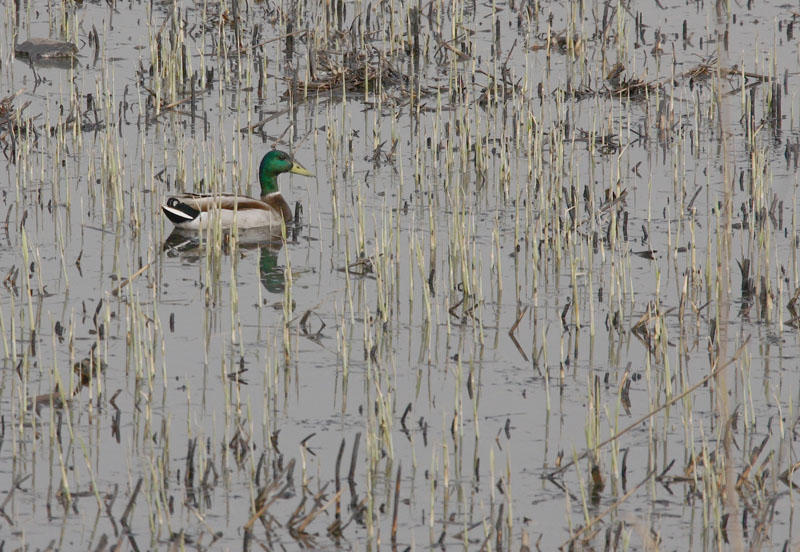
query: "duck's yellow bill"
297, 168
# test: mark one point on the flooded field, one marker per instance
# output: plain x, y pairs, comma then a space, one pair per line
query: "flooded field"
541, 291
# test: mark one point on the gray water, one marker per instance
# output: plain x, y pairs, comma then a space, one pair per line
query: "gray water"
455, 315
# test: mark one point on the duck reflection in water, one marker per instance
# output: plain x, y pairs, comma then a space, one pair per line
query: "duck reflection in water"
191, 246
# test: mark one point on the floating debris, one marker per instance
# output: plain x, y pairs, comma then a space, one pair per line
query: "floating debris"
46, 48
355, 73
89, 368
631, 86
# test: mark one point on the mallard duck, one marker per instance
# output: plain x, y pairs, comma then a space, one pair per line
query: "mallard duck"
197, 211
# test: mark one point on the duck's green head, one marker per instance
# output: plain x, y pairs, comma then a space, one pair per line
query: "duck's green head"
273, 164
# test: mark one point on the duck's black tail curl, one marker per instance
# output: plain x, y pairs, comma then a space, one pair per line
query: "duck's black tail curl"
178, 212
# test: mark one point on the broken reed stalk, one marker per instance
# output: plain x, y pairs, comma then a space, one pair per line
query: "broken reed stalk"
138, 273
396, 504
267, 503
129, 508
652, 413
316, 511
337, 481
605, 512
